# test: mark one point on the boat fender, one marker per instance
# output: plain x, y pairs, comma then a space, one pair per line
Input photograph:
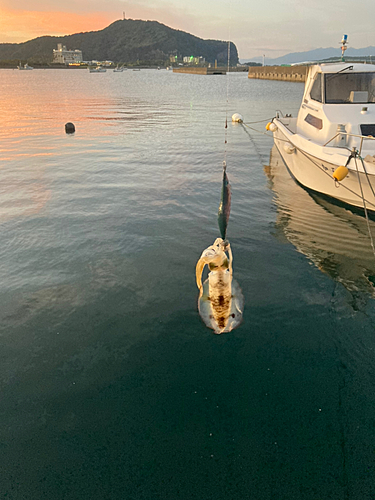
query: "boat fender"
237, 118
272, 127
340, 173
268, 125
289, 148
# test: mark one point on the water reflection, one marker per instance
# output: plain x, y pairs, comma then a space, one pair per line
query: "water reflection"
334, 237
220, 300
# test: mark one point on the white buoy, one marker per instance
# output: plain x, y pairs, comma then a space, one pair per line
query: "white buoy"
272, 127
237, 118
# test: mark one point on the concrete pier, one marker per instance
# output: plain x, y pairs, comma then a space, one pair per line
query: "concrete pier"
285, 73
201, 71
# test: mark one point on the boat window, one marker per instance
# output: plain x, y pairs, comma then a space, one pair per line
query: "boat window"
368, 130
316, 89
314, 121
341, 88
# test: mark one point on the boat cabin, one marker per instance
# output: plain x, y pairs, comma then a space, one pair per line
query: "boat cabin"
339, 99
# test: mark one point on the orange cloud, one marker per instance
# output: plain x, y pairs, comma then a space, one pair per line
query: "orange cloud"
19, 26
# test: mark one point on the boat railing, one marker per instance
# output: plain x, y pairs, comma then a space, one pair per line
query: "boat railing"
278, 113
349, 135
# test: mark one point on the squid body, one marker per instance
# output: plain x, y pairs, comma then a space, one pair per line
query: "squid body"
220, 302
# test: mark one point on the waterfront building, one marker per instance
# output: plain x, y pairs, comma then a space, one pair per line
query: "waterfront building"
63, 56
194, 60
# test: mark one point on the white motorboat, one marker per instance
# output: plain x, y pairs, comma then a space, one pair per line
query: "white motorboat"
25, 67
97, 69
330, 146
118, 69
331, 235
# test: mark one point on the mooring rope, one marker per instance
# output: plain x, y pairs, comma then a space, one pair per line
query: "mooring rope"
361, 196
352, 155
308, 157
254, 144
329, 175
367, 177
255, 130
364, 206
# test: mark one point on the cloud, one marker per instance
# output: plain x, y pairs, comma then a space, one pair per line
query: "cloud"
280, 26
18, 23
19, 26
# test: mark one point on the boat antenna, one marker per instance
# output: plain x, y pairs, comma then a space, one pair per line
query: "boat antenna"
344, 41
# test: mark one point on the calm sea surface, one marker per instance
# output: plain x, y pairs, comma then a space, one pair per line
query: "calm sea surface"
111, 385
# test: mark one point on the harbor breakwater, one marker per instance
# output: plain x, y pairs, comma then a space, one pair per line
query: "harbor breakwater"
200, 70
286, 73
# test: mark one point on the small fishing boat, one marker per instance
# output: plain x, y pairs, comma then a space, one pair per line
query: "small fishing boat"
25, 67
332, 236
330, 146
97, 69
118, 69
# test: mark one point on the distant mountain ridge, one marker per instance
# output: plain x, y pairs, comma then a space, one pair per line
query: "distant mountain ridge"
314, 55
126, 41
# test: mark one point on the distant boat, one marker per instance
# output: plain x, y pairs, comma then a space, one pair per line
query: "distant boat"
137, 69
98, 69
119, 69
26, 66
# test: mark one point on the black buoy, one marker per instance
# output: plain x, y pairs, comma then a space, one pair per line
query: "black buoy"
70, 128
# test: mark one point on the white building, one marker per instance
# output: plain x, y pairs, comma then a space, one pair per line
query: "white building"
63, 56
194, 60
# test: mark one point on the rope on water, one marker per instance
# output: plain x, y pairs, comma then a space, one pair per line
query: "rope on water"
258, 121
255, 130
262, 159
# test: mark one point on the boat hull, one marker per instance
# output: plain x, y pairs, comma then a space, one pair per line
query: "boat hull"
331, 236
314, 171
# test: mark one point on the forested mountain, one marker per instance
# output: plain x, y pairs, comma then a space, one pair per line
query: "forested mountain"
126, 41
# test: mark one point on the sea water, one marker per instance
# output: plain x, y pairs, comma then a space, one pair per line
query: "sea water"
111, 385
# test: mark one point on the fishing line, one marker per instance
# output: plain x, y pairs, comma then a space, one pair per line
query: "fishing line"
220, 302
227, 99
224, 207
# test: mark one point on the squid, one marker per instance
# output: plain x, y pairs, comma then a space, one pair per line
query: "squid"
220, 302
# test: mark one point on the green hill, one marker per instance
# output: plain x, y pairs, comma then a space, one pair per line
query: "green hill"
126, 41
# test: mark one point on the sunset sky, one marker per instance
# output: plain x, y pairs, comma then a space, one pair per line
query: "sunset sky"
272, 28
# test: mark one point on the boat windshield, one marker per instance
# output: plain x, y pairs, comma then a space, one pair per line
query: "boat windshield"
349, 88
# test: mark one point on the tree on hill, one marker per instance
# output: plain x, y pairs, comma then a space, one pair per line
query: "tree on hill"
127, 41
